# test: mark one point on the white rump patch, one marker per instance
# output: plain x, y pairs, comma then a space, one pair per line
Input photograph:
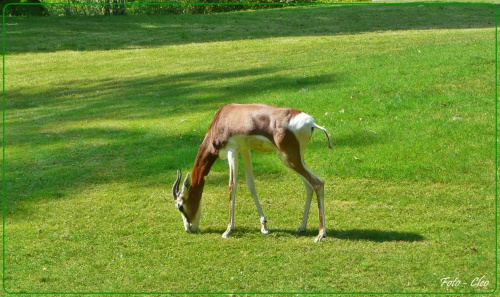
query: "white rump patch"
300, 122
301, 125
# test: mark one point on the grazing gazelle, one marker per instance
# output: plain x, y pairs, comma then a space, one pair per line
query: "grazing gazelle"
239, 128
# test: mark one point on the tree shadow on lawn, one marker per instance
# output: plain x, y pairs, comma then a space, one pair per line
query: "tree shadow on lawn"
52, 157
106, 96
42, 34
159, 96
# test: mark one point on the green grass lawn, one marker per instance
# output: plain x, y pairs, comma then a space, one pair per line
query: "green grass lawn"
101, 111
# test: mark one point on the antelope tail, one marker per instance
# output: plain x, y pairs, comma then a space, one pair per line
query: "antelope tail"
326, 132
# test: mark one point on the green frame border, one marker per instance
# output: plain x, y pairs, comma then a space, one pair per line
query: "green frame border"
283, 4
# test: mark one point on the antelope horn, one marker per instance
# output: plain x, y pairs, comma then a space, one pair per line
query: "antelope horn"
175, 188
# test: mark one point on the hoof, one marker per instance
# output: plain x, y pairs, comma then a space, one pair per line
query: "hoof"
264, 230
226, 234
319, 237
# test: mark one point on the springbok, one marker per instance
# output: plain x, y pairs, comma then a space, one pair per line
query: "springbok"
239, 128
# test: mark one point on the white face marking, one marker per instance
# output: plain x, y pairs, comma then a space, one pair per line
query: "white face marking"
195, 223
187, 226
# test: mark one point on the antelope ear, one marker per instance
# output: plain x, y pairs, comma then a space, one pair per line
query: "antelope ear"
187, 181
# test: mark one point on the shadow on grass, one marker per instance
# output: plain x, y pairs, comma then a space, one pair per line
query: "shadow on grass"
356, 139
375, 235
363, 235
72, 136
152, 97
354, 234
166, 90
46, 34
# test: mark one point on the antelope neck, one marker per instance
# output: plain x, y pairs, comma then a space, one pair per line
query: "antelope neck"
204, 160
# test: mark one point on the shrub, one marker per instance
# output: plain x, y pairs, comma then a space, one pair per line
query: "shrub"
23, 10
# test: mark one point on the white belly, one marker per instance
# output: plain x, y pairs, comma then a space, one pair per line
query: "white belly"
247, 142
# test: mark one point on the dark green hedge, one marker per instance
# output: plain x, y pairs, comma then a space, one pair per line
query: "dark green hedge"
23, 10
122, 7
208, 6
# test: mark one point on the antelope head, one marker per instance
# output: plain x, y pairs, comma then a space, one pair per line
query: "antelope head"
181, 199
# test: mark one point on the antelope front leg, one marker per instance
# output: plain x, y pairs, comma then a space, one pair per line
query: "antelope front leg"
247, 161
233, 172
